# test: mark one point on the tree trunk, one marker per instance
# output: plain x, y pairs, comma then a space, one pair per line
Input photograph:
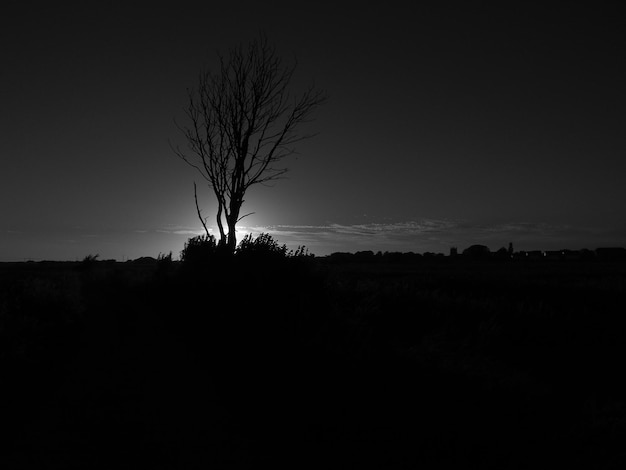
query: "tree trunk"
220, 224
231, 220
232, 239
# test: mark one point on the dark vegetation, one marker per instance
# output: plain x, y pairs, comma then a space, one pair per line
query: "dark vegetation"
345, 361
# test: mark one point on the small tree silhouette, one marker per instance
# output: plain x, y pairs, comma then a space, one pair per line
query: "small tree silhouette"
242, 123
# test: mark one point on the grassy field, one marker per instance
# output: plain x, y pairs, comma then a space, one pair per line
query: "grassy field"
314, 363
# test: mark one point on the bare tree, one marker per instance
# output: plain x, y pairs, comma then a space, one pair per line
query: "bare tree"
241, 124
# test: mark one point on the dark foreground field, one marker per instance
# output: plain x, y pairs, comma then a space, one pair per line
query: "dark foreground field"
442, 363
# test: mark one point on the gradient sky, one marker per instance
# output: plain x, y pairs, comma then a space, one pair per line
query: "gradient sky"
445, 127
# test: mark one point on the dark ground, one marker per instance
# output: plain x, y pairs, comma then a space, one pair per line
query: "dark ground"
430, 363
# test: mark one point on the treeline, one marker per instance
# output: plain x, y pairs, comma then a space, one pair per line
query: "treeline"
480, 252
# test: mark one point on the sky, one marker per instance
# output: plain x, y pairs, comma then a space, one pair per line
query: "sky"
445, 126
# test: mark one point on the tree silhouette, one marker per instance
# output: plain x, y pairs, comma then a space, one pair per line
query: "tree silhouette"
241, 124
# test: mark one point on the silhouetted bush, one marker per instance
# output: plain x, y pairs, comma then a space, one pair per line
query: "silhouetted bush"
200, 250
164, 259
262, 247
300, 252
165, 265
88, 262
477, 252
266, 248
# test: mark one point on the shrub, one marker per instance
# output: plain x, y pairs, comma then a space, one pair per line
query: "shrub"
263, 246
89, 260
266, 247
164, 264
300, 252
164, 259
200, 250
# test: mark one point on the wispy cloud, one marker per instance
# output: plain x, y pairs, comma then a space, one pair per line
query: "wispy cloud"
400, 236
430, 235
180, 230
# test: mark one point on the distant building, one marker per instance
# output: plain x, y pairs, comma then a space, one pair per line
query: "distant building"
571, 254
552, 254
535, 254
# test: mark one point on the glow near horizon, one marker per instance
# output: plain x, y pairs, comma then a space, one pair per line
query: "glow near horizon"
426, 235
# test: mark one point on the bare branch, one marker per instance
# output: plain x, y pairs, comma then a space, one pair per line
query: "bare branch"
203, 221
246, 215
